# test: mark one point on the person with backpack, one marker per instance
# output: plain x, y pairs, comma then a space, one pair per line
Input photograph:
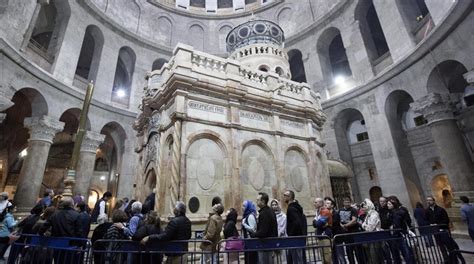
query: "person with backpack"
295, 225
135, 222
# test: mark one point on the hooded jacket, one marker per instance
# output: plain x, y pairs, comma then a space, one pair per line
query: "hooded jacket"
294, 220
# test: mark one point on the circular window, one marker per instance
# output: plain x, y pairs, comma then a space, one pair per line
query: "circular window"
231, 39
263, 68
193, 204
259, 28
244, 32
274, 31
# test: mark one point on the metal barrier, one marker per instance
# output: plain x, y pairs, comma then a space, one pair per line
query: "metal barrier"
454, 256
391, 245
126, 251
41, 250
301, 249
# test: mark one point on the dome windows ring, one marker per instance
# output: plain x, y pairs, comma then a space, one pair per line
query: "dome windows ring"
231, 39
244, 32
259, 28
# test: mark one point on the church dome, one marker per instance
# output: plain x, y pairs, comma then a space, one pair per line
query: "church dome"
253, 32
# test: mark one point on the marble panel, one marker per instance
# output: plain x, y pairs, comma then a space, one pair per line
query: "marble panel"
205, 165
296, 170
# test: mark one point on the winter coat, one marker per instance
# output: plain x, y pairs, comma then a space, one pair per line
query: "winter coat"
212, 232
267, 224
371, 221
7, 226
437, 215
64, 223
294, 220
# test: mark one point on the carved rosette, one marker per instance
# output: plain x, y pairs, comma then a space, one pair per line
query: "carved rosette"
434, 107
91, 141
43, 128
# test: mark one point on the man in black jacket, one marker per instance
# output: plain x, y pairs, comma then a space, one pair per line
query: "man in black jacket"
438, 216
179, 228
295, 224
266, 225
65, 221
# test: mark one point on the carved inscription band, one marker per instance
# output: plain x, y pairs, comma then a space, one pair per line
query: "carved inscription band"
206, 107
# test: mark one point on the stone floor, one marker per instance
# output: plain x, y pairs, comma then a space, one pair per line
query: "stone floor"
466, 244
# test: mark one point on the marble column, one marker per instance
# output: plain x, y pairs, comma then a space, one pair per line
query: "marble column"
85, 164
438, 111
42, 131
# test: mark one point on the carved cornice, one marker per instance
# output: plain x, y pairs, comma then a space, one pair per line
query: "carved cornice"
43, 128
91, 141
469, 76
435, 107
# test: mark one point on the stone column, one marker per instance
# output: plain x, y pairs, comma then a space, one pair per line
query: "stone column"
85, 164
42, 132
438, 110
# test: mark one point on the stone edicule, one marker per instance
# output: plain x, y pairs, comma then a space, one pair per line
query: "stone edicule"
240, 131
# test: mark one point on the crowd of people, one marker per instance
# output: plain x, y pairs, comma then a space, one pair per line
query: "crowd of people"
132, 220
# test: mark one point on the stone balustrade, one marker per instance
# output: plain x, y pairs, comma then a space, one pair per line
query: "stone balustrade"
227, 68
260, 49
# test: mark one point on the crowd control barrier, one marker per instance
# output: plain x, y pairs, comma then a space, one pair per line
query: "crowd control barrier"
34, 249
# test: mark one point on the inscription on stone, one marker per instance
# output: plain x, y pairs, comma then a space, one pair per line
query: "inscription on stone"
290, 123
254, 116
206, 107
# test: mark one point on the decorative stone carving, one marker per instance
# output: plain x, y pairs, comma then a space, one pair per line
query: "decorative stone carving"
204, 163
296, 171
257, 167
434, 107
152, 148
43, 128
91, 141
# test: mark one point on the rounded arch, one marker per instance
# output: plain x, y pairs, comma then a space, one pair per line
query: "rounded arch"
295, 58
300, 149
375, 193
398, 110
441, 190
260, 142
283, 16
446, 77
89, 56
197, 30
349, 125
224, 29
38, 105
165, 28
71, 118
123, 79
158, 64
296, 165
332, 55
371, 30
208, 134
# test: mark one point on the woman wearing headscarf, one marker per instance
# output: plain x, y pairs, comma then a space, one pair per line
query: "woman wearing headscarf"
279, 256
249, 225
371, 223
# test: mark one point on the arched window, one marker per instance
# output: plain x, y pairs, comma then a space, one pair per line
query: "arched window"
197, 3
49, 28
338, 58
123, 76
415, 16
372, 33
89, 57
295, 59
197, 39
158, 64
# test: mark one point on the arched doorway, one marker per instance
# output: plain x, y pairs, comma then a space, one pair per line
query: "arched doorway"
441, 189
375, 193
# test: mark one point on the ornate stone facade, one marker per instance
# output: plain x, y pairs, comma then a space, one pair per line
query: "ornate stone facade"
235, 130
